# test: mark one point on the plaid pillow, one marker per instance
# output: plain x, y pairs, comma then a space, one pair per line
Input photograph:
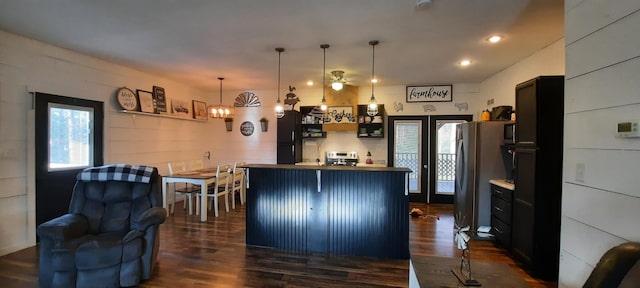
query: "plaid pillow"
117, 172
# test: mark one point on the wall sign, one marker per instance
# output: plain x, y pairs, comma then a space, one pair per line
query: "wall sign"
127, 99
430, 93
161, 99
246, 128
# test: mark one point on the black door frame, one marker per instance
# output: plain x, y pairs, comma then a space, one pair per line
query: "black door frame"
433, 197
413, 197
428, 133
54, 188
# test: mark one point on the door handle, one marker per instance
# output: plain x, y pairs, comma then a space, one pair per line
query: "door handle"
425, 166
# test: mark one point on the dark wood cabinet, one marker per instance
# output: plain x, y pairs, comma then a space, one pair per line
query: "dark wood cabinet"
501, 203
312, 122
538, 175
289, 147
369, 127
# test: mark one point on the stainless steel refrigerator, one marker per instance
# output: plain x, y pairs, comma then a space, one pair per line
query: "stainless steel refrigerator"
478, 160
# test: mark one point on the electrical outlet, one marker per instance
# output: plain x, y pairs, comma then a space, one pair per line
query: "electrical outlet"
580, 168
490, 101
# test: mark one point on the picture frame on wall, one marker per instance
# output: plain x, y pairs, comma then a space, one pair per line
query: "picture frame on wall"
146, 101
199, 110
181, 108
429, 93
161, 99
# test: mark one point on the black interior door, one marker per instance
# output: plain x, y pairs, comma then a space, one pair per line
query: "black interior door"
62, 125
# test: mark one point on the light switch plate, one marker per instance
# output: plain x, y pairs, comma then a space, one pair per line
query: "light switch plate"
580, 168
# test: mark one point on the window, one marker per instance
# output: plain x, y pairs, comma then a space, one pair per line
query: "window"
70, 136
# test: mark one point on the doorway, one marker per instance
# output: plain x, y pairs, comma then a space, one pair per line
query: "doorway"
68, 138
422, 142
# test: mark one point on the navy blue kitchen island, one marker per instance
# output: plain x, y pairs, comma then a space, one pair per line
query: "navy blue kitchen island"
358, 211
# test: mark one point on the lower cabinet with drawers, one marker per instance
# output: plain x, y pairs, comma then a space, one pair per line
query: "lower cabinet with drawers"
501, 202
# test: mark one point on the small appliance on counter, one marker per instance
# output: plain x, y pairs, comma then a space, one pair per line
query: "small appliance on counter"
501, 113
335, 158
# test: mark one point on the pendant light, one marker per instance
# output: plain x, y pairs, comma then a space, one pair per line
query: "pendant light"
279, 109
372, 108
220, 111
323, 105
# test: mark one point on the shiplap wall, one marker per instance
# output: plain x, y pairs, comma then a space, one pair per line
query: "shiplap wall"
600, 209
501, 87
27, 66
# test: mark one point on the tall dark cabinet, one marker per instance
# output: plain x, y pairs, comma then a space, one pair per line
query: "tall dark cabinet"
289, 138
538, 175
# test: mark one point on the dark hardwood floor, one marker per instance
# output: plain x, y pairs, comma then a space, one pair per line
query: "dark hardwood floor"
214, 254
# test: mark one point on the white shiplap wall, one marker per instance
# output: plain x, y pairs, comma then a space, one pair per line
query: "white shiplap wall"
603, 64
27, 66
501, 87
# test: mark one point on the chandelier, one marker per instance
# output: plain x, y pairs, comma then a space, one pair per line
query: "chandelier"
220, 111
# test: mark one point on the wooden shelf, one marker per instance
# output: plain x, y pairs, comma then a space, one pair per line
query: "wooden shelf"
134, 113
340, 127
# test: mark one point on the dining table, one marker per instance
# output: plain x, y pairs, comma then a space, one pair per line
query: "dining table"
203, 177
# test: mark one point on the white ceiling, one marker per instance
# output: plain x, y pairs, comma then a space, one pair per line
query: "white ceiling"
196, 41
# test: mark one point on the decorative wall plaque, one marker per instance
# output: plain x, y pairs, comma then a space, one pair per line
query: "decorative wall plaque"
247, 99
127, 99
161, 99
430, 93
246, 128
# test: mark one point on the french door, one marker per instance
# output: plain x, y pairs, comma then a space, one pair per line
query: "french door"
426, 145
68, 138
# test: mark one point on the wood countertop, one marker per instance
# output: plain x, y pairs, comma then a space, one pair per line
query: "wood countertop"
503, 183
316, 167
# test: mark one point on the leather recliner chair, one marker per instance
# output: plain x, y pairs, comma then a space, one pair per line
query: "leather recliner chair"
618, 267
110, 236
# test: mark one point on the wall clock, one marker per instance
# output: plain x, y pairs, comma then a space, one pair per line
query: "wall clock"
127, 99
246, 128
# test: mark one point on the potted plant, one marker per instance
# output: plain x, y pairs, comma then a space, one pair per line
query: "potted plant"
228, 122
264, 124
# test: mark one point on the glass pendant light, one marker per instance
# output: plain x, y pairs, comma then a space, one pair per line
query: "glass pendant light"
279, 109
372, 108
323, 105
220, 111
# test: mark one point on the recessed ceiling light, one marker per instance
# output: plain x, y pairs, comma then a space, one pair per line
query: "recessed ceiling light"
465, 62
309, 83
494, 38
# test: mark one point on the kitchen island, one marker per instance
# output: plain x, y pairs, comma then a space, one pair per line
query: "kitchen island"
358, 211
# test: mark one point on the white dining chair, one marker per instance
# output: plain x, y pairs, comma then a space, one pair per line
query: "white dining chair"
221, 187
186, 189
238, 183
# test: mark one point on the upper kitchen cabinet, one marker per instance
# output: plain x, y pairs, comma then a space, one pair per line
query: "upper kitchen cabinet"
312, 122
538, 104
370, 127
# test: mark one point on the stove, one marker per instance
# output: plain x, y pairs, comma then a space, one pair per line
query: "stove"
335, 158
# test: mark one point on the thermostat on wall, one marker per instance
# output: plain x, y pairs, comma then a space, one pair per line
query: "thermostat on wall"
629, 129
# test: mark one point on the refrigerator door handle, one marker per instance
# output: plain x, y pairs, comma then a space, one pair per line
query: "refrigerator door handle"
460, 165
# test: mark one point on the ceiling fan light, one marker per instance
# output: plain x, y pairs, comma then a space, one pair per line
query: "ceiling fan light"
337, 86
